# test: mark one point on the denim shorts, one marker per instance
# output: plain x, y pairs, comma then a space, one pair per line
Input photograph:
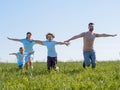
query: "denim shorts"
89, 58
28, 56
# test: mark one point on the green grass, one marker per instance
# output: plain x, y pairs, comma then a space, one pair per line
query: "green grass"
106, 76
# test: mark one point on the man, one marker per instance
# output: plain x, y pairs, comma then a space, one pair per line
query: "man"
88, 40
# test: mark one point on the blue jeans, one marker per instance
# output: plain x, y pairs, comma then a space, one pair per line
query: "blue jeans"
89, 58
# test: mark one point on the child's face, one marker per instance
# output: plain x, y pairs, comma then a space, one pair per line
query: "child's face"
49, 37
21, 50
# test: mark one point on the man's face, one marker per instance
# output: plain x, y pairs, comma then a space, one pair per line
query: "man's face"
91, 28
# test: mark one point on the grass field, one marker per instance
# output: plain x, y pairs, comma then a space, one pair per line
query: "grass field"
106, 76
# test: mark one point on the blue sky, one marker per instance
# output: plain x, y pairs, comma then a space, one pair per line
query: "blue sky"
64, 18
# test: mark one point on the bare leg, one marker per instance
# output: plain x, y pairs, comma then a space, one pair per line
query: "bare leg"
30, 63
26, 65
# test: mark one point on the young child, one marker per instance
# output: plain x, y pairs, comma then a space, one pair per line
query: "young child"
20, 58
52, 54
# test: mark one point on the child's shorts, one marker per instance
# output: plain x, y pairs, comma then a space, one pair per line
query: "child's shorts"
21, 66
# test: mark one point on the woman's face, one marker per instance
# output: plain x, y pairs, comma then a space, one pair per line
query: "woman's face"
28, 36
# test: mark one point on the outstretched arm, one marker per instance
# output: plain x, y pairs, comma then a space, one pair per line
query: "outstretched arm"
63, 43
39, 42
75, 37
31, 52
106, 35
14, 39
12, 53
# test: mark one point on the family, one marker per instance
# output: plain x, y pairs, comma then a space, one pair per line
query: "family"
26, 54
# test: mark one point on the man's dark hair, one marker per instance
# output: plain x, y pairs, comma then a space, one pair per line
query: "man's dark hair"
90, 24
